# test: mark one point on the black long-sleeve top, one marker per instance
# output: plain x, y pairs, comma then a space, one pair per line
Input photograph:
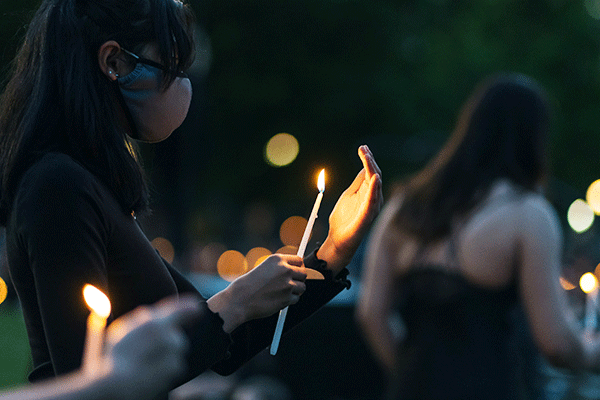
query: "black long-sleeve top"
66, 229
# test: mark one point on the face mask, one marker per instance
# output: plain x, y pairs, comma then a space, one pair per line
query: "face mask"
156, 113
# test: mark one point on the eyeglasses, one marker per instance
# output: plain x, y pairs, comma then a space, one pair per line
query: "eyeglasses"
152, 63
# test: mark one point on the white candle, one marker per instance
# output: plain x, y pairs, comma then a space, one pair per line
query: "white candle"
99, 306
589, 284
300, 253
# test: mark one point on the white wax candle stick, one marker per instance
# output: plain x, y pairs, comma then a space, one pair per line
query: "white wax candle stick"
309, 225
94, 340
300, 253
99, 306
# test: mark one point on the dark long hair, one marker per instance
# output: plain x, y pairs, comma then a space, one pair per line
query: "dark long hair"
502, 132
58, 99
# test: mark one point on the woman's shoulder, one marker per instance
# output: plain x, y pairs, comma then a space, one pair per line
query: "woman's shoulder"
517, 197
532, 210
56, 182
56, 171
56, 191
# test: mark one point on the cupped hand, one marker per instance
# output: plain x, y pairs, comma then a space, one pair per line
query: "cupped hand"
353, 214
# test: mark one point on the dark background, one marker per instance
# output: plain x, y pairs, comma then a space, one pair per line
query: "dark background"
337, 74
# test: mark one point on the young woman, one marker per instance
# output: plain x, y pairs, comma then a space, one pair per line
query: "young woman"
461, 245
90, 75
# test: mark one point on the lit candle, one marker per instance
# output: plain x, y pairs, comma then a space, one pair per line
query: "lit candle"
300, 253
99, 306
589, 285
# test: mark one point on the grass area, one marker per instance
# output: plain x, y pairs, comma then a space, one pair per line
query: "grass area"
15, 359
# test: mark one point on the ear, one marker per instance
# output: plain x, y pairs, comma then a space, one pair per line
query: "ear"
112, 61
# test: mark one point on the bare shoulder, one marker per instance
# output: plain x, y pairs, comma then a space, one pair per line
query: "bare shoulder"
535, 206
538, 216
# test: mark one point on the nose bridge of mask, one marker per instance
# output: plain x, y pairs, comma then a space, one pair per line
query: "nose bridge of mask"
142, 79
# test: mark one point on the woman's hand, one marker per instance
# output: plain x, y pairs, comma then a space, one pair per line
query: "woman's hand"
271, 286
353, 213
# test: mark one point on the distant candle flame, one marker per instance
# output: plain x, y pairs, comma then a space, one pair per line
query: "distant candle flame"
321, 181
96, 301
588, 282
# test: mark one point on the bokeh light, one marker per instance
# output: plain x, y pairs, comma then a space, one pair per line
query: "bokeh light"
281, 150
566, 284
291, 230
3, 290
580, 216
204, 259
288, 250
231, 264
256, 255
592, 196
165, 248
588, 282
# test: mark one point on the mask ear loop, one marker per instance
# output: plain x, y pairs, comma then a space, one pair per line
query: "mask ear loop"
133, 127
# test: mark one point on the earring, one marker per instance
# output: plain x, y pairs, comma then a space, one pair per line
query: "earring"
111, 74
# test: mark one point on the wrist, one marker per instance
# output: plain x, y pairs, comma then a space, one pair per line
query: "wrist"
224, 303
329, 253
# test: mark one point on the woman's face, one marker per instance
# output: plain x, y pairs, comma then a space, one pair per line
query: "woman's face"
156, 112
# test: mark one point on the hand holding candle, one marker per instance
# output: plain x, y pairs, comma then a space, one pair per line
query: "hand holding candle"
300, 253
99, 306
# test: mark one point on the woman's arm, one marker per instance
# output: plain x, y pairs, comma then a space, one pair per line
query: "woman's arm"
553, 323
255, 335
250, 304
58, 243
377, 287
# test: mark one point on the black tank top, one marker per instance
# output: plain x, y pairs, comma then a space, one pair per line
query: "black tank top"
460, 340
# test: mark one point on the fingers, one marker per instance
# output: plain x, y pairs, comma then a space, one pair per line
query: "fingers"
294, 264
372, 205
291, 259
368, 160
295, 276
370, 169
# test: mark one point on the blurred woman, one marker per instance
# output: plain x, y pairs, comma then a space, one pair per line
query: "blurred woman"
461, 245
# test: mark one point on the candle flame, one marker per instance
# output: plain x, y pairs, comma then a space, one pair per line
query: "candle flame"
96, 301
588, 282
321, 181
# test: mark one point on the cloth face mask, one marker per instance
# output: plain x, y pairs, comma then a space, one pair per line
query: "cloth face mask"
156, 113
